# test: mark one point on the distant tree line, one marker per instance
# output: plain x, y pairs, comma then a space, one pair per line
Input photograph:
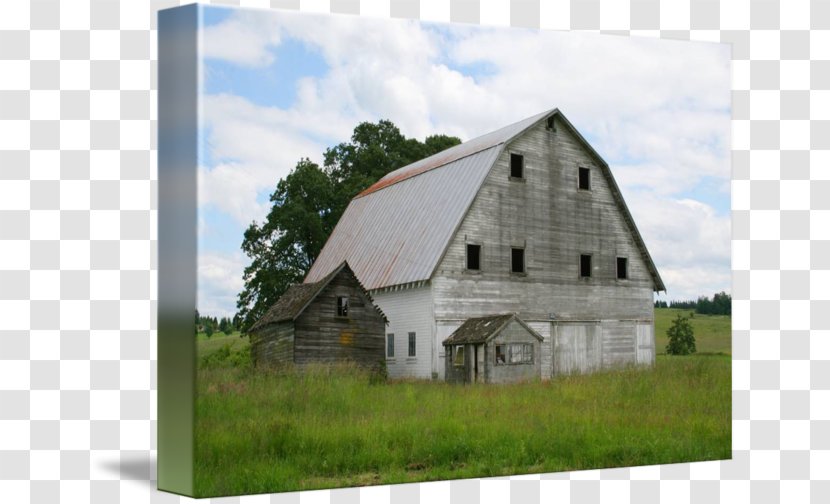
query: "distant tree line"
720, 304
210, 325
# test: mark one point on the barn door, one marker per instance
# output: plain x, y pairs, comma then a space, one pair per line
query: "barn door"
577, 347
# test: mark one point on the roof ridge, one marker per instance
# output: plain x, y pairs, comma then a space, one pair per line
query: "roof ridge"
473, 146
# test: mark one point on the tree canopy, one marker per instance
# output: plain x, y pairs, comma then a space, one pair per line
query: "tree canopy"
309, 201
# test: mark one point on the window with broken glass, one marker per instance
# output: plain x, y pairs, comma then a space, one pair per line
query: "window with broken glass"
514, 353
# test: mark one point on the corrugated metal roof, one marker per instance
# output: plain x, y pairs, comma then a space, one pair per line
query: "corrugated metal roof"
399, 234
470, 147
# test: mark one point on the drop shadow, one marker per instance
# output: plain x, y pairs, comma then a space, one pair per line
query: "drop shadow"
138, 467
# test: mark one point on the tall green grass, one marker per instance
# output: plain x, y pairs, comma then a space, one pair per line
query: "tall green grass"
331, 427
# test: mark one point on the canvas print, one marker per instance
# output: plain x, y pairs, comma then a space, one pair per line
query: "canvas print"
434, 251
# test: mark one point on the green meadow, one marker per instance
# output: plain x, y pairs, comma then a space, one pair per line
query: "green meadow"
339, 426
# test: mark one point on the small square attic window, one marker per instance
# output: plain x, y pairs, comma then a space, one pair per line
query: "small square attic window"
517, 260
473, 257
342, 306
585, 265
517, 165
622, 268
585, 179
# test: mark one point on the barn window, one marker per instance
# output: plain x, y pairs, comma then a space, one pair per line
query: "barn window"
473, 257
585, 265
517, 165
342, 306
622, 268
514, 353
390, 345
517, 260
412, 344
458, 358
550, 124
585, 179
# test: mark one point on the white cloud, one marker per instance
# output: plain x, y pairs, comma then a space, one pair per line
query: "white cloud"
220, 280
658, 111
246, 39
262, 144
688, 241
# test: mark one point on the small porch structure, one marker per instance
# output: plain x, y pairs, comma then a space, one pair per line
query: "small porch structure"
493, 349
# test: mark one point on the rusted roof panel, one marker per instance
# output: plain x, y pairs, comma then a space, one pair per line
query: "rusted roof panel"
473, 146
398, 235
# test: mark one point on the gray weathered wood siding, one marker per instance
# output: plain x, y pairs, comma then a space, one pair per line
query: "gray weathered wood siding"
485, 354
543, 329
511, 373
409, 310
320, 335
577, 347
555, 222
585, 346
645, 342
273, 344
458, 374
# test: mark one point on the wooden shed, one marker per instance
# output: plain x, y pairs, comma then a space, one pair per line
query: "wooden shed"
493, 349
332, 320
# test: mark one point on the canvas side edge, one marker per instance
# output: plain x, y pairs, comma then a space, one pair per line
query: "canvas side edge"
178, 123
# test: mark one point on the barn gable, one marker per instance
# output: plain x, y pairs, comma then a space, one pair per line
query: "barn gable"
297, 298
397, 231
332, 320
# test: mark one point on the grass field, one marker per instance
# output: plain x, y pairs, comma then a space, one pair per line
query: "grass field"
713, 333
267, 431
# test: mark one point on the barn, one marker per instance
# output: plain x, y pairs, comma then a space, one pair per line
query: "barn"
494, 349
527, 220
331, 320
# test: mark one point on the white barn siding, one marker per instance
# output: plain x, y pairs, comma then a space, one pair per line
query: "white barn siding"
409, 310
645, 342
543, 329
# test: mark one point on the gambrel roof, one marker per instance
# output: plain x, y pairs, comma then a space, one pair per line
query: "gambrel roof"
396, 231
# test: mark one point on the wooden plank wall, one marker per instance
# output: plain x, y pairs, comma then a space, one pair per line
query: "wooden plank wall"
511, 373
273, 344
645, 343
577, 347
584, 347
619, 343
322, 336
555, 222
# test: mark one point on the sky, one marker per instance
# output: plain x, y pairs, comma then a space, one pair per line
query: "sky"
279, 86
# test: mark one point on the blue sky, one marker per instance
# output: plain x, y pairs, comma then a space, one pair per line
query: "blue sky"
278, 86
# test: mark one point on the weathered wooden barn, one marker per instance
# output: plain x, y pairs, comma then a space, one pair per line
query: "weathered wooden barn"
331, 320
494, 349
527, 219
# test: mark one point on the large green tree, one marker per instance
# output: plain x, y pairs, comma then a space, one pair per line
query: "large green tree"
307, 204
